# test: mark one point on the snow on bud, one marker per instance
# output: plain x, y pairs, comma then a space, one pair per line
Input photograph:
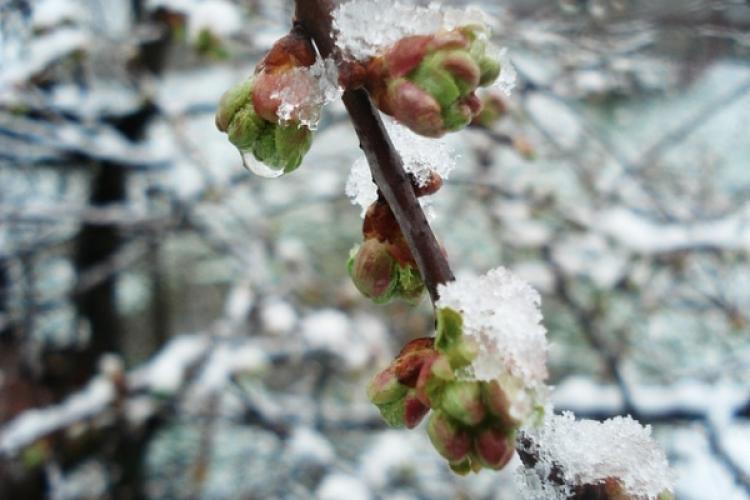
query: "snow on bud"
500, 312
270, 116
571, 456
494, 447
449, 439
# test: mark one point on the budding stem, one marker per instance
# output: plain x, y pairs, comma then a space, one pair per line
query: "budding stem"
314, 16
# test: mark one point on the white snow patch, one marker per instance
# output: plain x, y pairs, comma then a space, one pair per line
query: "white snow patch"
419, 154
587, 452
166, 371
365, 27
501, 313
278, 317
641, 234
308, 445
33, 424
340, 486
330, 330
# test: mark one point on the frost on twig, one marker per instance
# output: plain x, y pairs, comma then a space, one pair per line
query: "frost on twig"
421, 157
617, 456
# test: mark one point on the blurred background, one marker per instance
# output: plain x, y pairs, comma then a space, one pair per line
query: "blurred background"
172, 326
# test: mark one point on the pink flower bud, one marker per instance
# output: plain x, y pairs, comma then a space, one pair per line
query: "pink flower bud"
415, 108
494, 447
448, 437
385, 388
406, 54
408, 365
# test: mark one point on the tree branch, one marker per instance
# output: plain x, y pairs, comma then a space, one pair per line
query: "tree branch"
314, 16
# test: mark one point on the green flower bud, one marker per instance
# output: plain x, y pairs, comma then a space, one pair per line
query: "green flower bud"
292, 143
373, 271
436, 81
385, 388
489, 69
245, 128
456, 116
461, 468
462, 400
407, 411
433, 375
410, 284
448, 437
233, 99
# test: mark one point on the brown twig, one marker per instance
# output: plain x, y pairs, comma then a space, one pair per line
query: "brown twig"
387, 168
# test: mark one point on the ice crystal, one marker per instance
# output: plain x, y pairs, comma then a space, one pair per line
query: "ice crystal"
364, 27
305, 90
506, 82
588, 452
419, 154
501, 314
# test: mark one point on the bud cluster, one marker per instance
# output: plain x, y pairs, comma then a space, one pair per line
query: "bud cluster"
383, 267
427, 82
473, 423
249, 112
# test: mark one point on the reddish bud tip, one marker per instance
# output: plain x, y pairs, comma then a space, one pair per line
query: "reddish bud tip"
415, 108
494, 448
448, 437
414, 410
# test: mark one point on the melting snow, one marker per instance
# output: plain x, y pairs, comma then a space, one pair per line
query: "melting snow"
304, 92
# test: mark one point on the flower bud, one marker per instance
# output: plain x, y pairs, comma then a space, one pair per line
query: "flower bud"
448, 437
506, 399
415, 108
494, 447
248, 111
493, 108
385, 387
414, 410
462, 400
373, 271
407, 411
232, 101
410, 361
427, 82
433, 375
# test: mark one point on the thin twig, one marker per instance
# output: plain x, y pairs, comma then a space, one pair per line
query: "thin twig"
387, 168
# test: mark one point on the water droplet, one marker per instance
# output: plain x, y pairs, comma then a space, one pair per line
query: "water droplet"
258, 168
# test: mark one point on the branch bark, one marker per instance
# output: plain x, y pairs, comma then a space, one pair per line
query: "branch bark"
314, 16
